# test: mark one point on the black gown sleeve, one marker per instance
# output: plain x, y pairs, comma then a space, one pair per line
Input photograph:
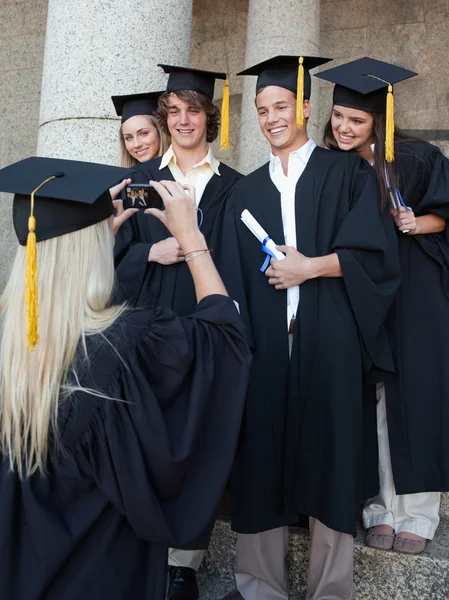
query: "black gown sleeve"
227, 257
436, 201
162, 452
366, 246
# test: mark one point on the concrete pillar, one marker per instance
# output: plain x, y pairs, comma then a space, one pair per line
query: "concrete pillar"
275, 27
96, 49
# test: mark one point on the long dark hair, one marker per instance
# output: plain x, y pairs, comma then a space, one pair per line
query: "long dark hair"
387, 173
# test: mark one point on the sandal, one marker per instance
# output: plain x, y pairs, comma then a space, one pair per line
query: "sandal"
380, 542
409, 546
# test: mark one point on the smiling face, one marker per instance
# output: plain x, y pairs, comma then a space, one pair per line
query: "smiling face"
276, 109
186, 123
352, 129
141, 137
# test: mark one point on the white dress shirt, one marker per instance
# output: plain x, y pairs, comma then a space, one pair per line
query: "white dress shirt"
286, 184
198, 176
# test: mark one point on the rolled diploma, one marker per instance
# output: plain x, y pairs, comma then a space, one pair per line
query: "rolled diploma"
260, 233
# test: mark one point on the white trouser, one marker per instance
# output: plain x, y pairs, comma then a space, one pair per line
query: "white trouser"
260, 564
414, 513
185, 558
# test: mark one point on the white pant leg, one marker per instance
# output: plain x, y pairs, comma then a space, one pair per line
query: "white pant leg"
185, 558
418, 513
379, 510
260, 571
331, 567
414, 513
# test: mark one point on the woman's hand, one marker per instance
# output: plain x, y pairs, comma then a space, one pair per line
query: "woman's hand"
166, 252
180, 214
405, 220
121, 215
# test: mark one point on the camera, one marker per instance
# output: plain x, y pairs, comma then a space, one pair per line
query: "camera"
142, 196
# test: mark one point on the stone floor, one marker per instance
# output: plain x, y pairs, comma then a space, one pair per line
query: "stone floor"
378, 575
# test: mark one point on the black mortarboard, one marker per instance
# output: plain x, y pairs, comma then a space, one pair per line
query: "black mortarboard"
197, 80
289, 72
367, 84
76, 198
363, 83
135, 104
282, 71
203, 82
54, 197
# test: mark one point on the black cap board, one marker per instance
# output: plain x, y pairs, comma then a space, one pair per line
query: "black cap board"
77, 197
363, 83
196, 80
282, 71
135, 104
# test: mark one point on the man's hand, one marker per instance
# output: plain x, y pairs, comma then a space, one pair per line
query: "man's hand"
405, 220
166, 252
292, 271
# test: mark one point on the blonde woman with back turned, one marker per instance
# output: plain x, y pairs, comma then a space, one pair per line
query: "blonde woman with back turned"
114, 422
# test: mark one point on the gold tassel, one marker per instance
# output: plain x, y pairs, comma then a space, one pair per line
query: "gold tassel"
31, 289
225, 117
389, 133
31, 292
300, 95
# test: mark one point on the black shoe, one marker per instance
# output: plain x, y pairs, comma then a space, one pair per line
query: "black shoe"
182, 584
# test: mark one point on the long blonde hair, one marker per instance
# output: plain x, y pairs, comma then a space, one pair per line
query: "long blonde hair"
75, 279
127, 161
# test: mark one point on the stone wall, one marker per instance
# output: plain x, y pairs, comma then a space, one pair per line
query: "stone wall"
22, 40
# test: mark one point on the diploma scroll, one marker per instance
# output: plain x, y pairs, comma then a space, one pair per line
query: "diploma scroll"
268, 246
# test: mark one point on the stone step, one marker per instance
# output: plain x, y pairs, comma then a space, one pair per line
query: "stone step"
378, 575
444, 511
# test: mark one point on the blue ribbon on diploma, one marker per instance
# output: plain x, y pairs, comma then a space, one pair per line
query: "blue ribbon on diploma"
269, 254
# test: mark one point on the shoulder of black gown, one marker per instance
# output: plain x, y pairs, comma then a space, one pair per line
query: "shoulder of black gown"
158, 436
150, 168
229, 173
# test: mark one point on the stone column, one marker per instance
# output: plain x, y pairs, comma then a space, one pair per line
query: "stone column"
96, 49
275, 27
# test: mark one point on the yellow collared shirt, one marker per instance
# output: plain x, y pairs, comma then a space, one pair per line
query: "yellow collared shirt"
198, 176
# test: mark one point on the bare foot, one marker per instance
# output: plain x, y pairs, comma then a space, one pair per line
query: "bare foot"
410, 536
382, 530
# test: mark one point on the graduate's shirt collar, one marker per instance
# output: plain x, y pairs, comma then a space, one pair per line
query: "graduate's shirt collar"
209, 159
302, 153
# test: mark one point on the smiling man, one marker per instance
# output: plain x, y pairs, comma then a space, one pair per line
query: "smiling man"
309, 436
150, 266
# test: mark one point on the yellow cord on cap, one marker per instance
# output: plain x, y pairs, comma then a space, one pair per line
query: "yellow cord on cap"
389, 121
389, 128
31, 290
300, 95
225, 117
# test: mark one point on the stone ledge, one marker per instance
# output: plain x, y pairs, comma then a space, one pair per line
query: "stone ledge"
378, 575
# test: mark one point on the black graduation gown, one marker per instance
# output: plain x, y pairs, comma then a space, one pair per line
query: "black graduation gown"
145, 284
138, 471
418, 400
305, 446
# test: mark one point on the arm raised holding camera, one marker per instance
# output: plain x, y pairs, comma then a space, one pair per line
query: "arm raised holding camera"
180, 218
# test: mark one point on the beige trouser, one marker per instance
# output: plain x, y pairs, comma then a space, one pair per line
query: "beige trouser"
260, 564
414, 513
185, 558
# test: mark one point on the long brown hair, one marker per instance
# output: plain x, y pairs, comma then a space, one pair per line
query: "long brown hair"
197, 100
388, 173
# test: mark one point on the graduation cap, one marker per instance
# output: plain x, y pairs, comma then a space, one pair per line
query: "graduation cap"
54, 197
203, 82
135, 104
367, 84
289, 72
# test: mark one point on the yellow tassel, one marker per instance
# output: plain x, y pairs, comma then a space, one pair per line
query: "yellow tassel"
389, 133
225, 117
300, 95
31, 292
